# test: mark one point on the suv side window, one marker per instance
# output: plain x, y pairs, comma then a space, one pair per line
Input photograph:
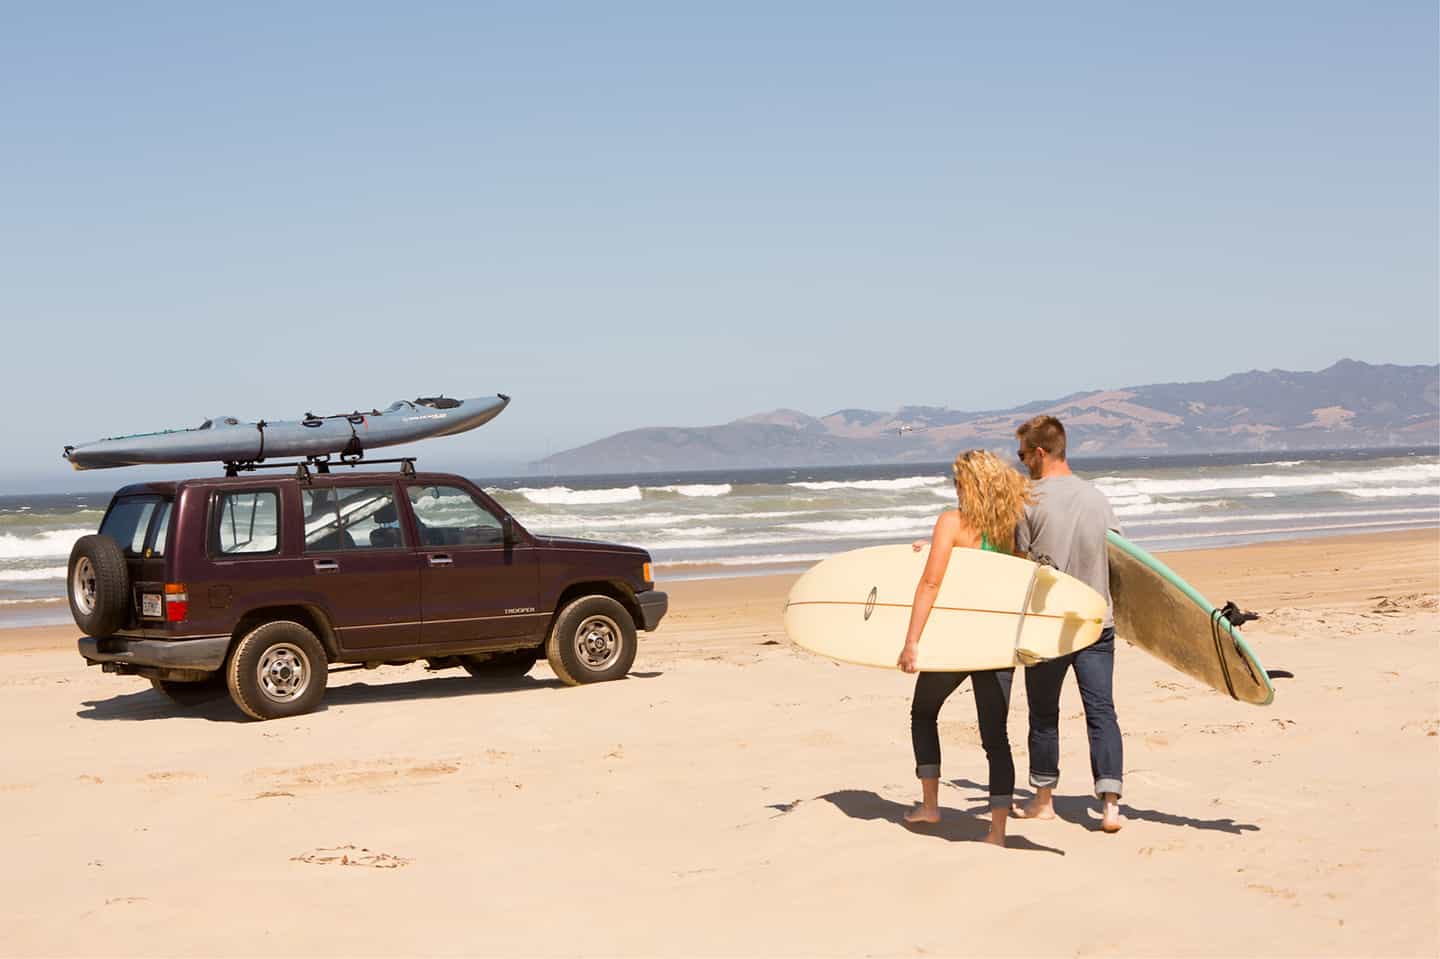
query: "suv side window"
247, 522
449, 516
350, 517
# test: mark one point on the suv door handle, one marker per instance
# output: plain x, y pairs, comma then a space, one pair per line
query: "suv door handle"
326, 566
440, 559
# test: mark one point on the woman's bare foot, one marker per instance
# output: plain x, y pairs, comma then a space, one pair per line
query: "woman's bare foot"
1111, 821
923, 813
1040, 807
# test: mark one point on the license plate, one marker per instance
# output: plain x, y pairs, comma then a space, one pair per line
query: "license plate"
151, 605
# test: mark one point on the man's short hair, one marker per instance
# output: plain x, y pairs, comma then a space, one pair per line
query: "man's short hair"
1044, 432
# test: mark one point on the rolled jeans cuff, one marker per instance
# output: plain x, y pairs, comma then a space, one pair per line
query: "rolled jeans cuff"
928, 771
1103, 786
1001, 802
1044, 782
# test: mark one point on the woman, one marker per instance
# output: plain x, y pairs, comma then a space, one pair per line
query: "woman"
992, 500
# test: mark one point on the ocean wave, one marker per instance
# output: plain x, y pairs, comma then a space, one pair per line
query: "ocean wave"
1418, 514
565, 496
1263, 495
55, 542
1127, 486
765, 559
38, 601
32, 575
890, 485
1283, 530
696, 490
863, 526
1151, 508
1391, 492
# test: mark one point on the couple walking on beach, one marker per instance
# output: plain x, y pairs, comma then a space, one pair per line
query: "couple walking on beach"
1053, 517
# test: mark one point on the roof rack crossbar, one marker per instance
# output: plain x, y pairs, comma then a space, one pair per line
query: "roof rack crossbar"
318, 464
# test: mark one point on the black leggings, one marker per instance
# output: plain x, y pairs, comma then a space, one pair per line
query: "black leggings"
992, 704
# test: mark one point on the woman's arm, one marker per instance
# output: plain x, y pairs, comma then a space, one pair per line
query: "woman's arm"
942, 540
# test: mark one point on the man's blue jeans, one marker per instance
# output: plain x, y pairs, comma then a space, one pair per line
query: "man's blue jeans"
1095, 673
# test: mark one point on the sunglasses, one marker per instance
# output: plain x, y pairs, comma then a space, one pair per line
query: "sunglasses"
1022, 452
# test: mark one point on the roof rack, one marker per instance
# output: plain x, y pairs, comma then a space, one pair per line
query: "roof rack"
306, 468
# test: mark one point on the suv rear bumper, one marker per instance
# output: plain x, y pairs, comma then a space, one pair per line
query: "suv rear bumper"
205, 653
653, 606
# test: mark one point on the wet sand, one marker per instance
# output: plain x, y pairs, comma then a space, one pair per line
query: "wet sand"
737, 796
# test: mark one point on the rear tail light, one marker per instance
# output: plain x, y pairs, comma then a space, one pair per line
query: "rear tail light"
177, 603
646, 574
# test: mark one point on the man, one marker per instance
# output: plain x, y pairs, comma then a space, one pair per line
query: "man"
1066, 527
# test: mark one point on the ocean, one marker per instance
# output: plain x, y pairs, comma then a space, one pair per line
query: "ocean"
738, 522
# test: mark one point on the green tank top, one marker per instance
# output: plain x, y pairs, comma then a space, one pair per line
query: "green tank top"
985, 544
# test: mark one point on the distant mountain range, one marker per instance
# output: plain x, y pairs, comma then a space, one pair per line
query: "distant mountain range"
1349, 405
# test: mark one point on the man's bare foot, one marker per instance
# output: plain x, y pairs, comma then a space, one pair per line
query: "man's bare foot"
1034, 809
923, 813
1111, 821
995, 839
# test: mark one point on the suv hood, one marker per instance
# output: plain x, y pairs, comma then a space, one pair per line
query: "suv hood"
570, 542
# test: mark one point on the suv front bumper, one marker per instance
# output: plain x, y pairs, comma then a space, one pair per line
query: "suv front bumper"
205, 653
653, 606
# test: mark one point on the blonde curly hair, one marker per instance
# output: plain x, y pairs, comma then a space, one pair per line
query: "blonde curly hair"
992, 496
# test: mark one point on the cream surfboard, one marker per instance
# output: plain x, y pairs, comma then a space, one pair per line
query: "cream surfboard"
993, 611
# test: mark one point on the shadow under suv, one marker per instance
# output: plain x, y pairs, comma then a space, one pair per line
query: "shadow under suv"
264, 582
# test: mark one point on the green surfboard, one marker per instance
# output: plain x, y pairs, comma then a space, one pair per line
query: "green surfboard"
1167, 617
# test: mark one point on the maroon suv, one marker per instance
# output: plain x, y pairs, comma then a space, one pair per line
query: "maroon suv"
263, 582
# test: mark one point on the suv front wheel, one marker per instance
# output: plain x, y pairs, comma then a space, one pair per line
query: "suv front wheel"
593, 640
277, 669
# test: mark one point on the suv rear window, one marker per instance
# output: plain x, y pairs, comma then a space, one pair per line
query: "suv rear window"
129, 520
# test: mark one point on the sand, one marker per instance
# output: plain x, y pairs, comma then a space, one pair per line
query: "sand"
737, 796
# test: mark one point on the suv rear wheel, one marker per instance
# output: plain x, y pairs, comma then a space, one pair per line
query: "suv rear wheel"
277, 669
99, 585
593, 640
508, 665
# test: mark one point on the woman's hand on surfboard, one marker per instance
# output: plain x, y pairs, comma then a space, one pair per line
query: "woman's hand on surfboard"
908, 657
919, 544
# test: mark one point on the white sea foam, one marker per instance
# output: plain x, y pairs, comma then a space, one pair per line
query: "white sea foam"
32, 575
1263, 495
890, 485
766, 559
1129, 486
696, 490
861, 527
55, 542
1418, 514
1283, 530
565, 496
1150, 509
1391, 492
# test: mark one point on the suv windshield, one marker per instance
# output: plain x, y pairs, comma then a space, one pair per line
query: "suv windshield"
130, 519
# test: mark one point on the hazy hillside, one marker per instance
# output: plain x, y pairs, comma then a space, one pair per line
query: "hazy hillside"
1350, 404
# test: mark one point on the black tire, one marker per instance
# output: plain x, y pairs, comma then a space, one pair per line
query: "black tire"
190, 693
295, 667
593, 640
508, 665
98, 585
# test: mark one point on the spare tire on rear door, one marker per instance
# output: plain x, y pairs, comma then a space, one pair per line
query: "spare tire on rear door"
99, 585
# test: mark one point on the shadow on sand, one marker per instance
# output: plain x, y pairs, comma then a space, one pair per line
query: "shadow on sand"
150, 704
1085, 811
954, 826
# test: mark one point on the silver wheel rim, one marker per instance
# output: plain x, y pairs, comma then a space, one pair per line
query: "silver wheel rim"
597, 642
82, 586
283, 673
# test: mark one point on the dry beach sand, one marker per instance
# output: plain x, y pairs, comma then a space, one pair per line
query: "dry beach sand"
739, 797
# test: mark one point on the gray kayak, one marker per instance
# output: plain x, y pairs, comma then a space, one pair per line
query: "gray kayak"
227, 440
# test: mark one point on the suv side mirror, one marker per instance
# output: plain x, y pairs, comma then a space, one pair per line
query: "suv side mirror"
507, 529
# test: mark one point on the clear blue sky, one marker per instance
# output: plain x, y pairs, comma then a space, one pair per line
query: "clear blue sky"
630, 214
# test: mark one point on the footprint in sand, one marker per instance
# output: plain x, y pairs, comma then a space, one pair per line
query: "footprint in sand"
352, 855
361, 775
1287, 894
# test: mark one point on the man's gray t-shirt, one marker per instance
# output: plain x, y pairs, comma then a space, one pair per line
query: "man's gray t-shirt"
1067, 523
